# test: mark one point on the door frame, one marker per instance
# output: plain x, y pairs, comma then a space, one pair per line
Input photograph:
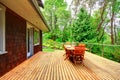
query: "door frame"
30, 40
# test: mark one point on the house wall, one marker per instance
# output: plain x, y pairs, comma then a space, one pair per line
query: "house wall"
38, 47
15, 42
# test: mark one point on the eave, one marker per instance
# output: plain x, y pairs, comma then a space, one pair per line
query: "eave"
29, 10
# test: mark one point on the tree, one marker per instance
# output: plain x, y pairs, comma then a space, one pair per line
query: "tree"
82, 29
57, 17
110, 7
115, 9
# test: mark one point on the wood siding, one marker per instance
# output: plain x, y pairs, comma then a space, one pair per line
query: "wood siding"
15, 42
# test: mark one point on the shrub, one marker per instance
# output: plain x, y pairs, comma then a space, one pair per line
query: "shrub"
52, 44
116, 54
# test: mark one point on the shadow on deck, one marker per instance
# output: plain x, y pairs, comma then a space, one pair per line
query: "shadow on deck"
52, 66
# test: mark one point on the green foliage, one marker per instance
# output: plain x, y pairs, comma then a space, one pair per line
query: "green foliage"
95, 48
106, 39
108, 51
116, 6
112, 52
66, 34
116, 54
48, 50
57, 17
52, 44
118, 40
82, 29
63, 16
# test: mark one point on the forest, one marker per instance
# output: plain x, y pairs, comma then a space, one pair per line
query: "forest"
95, 23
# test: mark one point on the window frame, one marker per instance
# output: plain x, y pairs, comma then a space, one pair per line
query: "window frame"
2, 29
38, 43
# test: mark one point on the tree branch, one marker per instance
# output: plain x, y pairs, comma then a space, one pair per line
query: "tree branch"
102, 19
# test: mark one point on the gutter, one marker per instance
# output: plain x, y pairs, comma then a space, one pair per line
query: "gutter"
36, 7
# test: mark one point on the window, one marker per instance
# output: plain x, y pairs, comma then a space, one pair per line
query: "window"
36, 37
2, 29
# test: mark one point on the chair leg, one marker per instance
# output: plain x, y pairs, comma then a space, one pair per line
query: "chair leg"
82, 63
82, 58
74, 59
67, 56
64, 54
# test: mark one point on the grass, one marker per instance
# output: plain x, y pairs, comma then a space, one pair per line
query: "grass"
48, 50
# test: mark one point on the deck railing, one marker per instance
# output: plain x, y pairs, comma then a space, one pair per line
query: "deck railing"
105, 50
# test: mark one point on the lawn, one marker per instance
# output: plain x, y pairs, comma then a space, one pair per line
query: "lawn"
48, 50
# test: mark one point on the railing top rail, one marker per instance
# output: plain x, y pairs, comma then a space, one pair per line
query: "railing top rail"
102, 44
95, 44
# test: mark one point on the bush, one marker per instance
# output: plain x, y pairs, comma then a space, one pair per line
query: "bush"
116, 54
52, 44
109, 51
96, 49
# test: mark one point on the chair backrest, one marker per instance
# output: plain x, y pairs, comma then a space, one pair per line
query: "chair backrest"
80, 44
79, 50
67, 43
64, 47
67, 52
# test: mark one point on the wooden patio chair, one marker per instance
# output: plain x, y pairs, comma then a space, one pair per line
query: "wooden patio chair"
81, 44
78, 54
66, 43
67, 52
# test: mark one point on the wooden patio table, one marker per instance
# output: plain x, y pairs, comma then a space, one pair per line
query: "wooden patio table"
70, 47
70, 50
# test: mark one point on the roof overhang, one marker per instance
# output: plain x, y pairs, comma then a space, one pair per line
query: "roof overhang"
29, 10
40, 3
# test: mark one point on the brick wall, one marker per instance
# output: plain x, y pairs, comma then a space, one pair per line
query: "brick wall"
15, 42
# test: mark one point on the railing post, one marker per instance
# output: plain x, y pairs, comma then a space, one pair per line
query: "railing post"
102, 50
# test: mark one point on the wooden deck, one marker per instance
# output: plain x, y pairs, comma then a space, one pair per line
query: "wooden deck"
50, 66
106, 69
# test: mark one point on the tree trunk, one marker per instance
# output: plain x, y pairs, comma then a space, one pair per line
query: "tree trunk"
115, 33
51, 21
112, 19
102, 18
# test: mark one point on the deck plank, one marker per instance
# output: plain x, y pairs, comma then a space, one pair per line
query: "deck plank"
50, 66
